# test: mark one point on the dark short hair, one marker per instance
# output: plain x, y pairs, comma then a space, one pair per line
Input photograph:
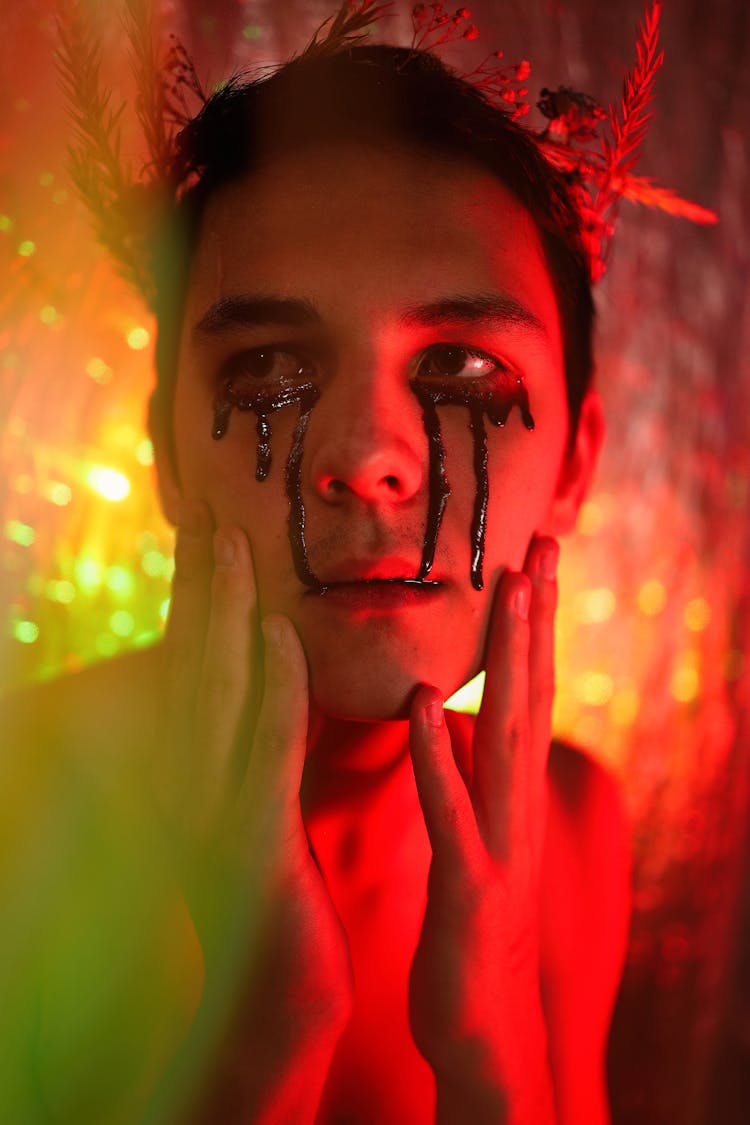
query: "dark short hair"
372, 94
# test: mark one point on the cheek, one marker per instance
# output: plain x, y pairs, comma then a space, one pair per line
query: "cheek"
523, 479
222, 471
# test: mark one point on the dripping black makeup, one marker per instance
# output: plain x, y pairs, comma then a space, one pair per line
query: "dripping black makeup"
450, 373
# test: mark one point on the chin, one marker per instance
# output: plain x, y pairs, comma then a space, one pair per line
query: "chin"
367, 703
386, 698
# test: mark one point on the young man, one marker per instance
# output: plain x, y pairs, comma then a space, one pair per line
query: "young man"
372, 421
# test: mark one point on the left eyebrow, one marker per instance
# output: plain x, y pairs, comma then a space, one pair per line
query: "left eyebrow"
490, 310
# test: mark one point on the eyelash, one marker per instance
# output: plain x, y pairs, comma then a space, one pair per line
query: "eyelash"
303, 367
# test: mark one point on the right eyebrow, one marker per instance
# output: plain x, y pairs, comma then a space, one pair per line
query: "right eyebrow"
250, 311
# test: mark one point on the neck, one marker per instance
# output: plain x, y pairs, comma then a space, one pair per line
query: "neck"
350, 763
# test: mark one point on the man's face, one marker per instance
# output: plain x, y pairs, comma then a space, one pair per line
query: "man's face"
360, 270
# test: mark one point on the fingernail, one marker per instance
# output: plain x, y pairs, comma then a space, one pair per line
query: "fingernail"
223, 549
549, 562
522, 602
434, 712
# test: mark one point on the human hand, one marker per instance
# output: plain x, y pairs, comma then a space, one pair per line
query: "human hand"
278, 986
475, 1003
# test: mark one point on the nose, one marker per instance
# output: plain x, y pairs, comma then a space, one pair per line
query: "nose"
370, 443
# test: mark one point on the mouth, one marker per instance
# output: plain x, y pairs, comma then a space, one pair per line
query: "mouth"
378, 593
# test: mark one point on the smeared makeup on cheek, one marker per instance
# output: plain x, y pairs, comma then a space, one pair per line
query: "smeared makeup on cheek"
479, 403
264, 403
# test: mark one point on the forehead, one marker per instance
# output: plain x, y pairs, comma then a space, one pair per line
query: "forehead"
363, 229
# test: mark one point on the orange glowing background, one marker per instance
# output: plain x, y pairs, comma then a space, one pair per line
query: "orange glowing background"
653, 625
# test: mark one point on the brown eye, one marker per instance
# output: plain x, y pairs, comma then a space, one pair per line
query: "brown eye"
454, 361
273, 365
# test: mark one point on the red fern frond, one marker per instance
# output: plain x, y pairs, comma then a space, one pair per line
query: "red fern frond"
348, 26
630, 119
642, 189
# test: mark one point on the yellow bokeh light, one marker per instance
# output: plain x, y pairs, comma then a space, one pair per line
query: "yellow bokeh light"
652, 597
154, 563
164, 609
109, 483
144, 452
5, 222
138, 338
593, 688
590, 518
58, 493
98, 370
49, 315
26, 248
120, 582
63, 592
685, 683
594, 606
89, 574
697, 614
625, 706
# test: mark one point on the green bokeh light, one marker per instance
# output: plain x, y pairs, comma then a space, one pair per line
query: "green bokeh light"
89, 574
120, 582
20, 533
26, 632
122, 623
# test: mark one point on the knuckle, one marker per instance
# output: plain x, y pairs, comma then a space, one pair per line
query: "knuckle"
515, 734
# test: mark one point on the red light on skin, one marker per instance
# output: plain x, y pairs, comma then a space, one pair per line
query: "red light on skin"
469, 297
386, 595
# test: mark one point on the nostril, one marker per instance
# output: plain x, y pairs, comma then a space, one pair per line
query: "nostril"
392, 482
336, 487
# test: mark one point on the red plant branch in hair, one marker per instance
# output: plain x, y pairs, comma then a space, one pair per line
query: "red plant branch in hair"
348, 26
595, 150
434, 27
601, 177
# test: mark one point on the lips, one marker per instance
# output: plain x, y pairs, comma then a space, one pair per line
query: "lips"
383, 594
376, 584
387, 570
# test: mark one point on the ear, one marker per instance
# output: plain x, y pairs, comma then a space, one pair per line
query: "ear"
167, 478
577, 469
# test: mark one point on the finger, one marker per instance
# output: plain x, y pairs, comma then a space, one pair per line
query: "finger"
227, 671
541, 566
446, 805
269, 798
501, 739
185, 632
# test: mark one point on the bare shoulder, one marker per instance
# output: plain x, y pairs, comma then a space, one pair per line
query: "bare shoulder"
586, 812
585, 914
107, 709
587, 852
